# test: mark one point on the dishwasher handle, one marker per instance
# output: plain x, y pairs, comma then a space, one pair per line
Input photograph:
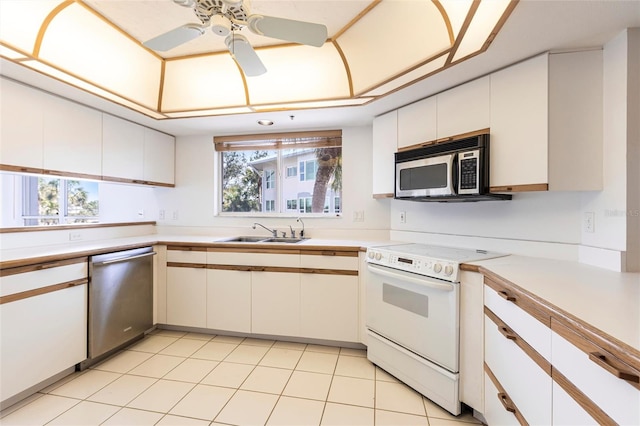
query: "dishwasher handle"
124, 259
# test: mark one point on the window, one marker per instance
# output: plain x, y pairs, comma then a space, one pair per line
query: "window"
255, 168
53, 201
336, 205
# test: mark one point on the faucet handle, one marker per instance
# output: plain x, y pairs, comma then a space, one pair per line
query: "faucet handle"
293, 232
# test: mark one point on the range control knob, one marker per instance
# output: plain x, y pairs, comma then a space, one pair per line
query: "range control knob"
371, 254
448, 270
378, 256
437, 268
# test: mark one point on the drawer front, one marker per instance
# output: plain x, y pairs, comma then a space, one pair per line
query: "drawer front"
522, 322
329, 261
187, 256
499, 409
527, 384
566, 411
26, 281
586, 370
253, 259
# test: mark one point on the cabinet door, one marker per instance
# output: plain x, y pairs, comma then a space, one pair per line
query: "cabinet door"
187, 296
122, 148
22, 112
464, 109
229, 300
329, 307
159, 157
275, 303
72, 138
519, 123
385, 142
417, 123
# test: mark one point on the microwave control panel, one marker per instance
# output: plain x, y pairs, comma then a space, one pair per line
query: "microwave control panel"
469, 172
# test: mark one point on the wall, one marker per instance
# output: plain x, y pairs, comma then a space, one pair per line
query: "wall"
190, 208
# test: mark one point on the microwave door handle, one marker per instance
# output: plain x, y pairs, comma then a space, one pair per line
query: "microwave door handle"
455, 175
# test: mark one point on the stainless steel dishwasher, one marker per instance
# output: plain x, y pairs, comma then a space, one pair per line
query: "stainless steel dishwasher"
120, 301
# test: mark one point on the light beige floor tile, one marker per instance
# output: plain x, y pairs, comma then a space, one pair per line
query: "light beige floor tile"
39, 411
317, 362
384, 376
247, 354
170, 333
203, 402
183, 347
161, 396
153, 343
132, 417
304, 384
85, 413
350, 390
290, 345
123, 390
228, 339
353, 352
18, 405
86, 384
123, 362
214, 351
267, 379
199, 336
228, 374
390, 418
236, 412
63, 381
281, 358
191, 370
258, 342
295, 411
346, 415
399, 397
355, 366
434, 421
324, 349
157, 366
171, 420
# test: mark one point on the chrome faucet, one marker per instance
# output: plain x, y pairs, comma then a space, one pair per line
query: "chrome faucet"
302, 230
274, 232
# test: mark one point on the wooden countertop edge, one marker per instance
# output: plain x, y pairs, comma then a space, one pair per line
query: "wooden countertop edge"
622, 350
74, 227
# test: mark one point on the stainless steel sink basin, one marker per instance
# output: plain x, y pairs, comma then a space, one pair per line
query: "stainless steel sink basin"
255, 239
282, 240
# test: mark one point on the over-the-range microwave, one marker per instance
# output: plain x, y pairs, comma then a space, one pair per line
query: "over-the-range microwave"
456, 170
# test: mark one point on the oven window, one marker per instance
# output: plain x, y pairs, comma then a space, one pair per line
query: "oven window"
405, 299
424, 177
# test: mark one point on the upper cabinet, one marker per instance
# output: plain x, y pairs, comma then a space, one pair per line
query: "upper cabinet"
546, 124
122, 149
159, 158
22, 112
385, 144
72, 138
464, 109
417, 123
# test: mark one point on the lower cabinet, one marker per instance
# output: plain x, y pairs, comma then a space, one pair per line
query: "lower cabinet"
43, 312
187, 286
275, 303
229, 300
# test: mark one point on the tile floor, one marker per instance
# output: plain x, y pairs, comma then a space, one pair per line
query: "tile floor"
176, 378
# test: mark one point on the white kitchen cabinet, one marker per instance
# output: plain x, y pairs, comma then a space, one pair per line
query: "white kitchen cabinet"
72, 138
229, 300
43, 312
275, 303
472, 339
417, 123
186, 287
21, 132
385, 143
122, 149
546, 123
464, 109
566, 411
159, 157
499, 409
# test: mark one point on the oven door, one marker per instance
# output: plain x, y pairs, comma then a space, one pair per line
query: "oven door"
416, 312
425, 177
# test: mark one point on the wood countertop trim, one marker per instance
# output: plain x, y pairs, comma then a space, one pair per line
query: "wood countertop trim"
621, 350
67, 227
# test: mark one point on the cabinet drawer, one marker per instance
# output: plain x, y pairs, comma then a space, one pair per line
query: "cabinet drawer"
512, 307
330, 260
253, 259
42, 275
193, 255
594, 372
499, 408
566, 411
523, 373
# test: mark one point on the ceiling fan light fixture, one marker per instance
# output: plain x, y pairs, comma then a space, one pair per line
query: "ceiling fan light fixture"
221, 25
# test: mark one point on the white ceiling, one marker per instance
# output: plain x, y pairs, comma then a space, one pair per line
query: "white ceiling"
535, 26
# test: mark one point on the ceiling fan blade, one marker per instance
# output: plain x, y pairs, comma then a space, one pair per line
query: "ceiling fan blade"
175, 37
288, 29
244, 55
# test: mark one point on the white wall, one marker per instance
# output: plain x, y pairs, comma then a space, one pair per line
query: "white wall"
195, 197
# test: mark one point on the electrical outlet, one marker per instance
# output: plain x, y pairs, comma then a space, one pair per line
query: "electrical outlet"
75, 236
175, 215
403, 217
589, 222
140, 214
358, 216
161, 215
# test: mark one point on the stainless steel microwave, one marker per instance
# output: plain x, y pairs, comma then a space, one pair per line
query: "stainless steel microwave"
449, 171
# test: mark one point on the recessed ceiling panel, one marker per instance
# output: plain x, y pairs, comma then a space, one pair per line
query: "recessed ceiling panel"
409, 77
393, 37
20, 21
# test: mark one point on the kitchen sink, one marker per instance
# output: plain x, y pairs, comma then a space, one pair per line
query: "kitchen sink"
282, 240
255, 239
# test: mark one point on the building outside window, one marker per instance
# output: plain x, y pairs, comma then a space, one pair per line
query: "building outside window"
270, 179
270, 205
292, 171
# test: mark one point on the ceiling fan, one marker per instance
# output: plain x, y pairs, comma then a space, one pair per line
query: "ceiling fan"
225, 17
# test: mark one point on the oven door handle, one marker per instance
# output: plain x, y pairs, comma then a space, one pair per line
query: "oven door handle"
403, 277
